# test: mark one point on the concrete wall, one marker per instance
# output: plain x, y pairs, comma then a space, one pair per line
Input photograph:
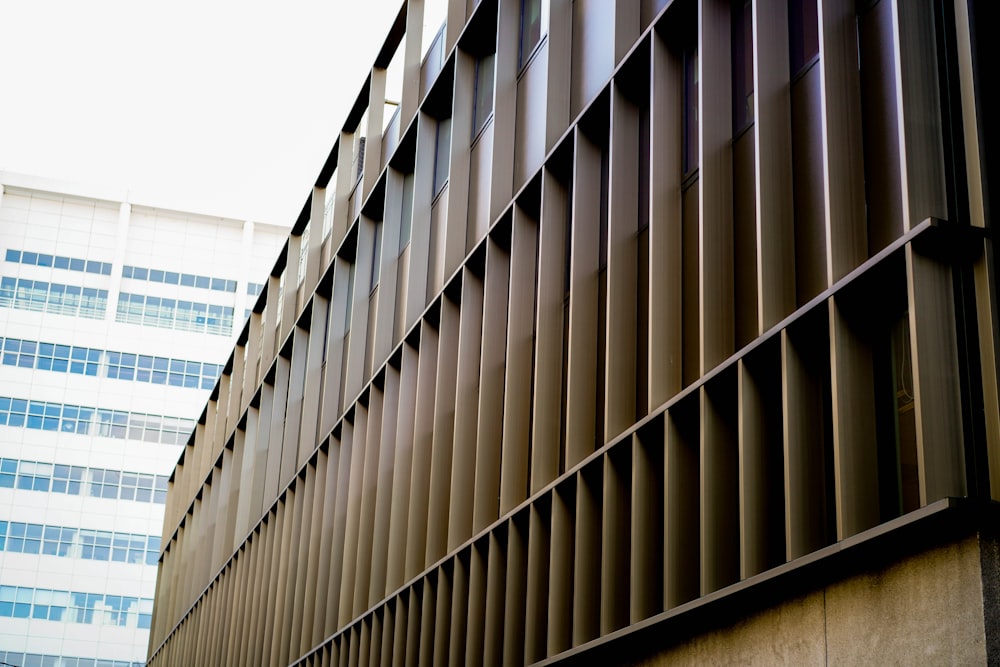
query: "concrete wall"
923, 610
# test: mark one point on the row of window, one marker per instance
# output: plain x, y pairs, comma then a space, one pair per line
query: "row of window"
83, 481
165, 313
122, 424
45, 660
59, 262
74, 607
177, 278
36, 538
107, 363
54, 298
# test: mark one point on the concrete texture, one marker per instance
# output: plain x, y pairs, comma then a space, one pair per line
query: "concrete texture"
789, 634
924, 610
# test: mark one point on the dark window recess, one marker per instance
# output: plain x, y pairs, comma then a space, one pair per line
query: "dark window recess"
531, 29
690, 148
803, 35
484, 92
742, 65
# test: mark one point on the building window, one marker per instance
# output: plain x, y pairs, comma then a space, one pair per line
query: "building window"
67, 542
442, 157
45, 416
690, 148
484, 92
742, 65
77, 481
803, 35
531, 29
376, 252
406, 212
38, 296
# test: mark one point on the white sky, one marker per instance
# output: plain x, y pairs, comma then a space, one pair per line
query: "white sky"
212, 106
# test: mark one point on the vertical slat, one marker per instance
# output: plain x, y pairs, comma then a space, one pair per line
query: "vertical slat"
681, 560
496, 585
359, 453
536, 603
665, 237
384, 485
587, 554
560, 618
323, 577
304, 596
346, 456
516, 593
616, 539
400, 503
720, 563
514, 460
549, 364
761, 482
463, 478
490, 426
457, 217
925, 193
443, 431
854, 446
622, 287
581, 421
428, 627
476, 625
772, 133
423, 425
805, 370
715, 184
460, 597
366, 525
504, 107
308, 635
647, 556
937, 394
442, 617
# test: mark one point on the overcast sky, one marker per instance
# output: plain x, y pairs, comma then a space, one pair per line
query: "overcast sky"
217, 106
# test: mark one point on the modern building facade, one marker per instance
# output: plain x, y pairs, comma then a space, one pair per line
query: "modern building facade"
115, 318
639, 332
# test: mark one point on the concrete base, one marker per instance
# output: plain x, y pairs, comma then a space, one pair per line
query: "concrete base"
926, 609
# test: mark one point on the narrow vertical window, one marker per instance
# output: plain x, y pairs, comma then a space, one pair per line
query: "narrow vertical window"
484, 92
442, 157
807, 149
690, 140
376, 252
803, 35
742, 65
531, 29
406, 214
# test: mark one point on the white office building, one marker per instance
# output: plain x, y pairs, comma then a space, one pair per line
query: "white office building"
114, 319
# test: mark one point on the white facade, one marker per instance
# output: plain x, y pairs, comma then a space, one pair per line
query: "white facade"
114, 320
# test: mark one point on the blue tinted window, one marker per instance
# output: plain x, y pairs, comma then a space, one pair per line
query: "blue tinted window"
77, 264
13, 255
